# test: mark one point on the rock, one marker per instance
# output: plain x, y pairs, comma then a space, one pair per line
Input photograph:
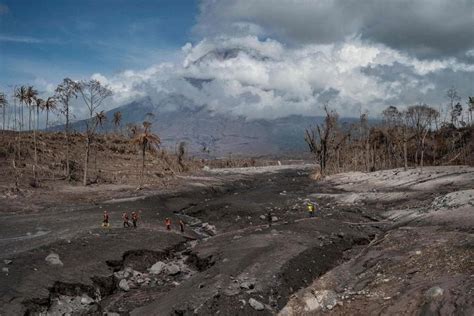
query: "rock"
172, 269
210, 229
324, 299
263, 217
274, 219
53, 259
6, 261
206, 168
124, 285
237, 237
434, 292
5, 270
256, 304
86, 300
121, 274
247, 285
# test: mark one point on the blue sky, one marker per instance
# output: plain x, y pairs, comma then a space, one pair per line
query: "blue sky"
262, 58
51, 39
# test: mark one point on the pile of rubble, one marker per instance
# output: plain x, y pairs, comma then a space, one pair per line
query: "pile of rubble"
160, 273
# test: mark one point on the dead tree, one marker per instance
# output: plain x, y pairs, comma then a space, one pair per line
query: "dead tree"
420, 118
64, 93
318, 139
93, 94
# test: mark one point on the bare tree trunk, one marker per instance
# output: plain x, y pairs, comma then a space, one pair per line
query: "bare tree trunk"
47, 118
35, 152
143, 165
405, 152
4, 109
86, 160
367, 156
422, 153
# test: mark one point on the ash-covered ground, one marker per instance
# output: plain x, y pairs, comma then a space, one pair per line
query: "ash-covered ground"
390, 242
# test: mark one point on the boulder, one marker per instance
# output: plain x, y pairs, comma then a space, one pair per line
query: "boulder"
121, 274
434, 292
323, 299
172, 269
256, 304
53, 259
210, 229
157, 268
247, 285
86, 300
124, 285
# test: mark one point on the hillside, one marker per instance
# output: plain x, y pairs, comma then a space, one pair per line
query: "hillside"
176, 119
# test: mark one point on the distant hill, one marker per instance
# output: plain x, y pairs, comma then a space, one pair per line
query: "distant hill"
175, 119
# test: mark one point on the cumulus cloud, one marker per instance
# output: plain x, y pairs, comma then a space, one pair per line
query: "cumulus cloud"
424, 28
245, 75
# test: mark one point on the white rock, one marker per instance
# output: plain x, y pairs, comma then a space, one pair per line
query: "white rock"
53, 259
172, 269
121, 274
256, 305
210, 229
5, 270
320, 299
6, 261
157, 268
86, 300
311, 303
274, 219
434, 292
124, 285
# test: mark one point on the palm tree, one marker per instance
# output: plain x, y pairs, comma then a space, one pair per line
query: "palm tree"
49, 105
3, 105
100, 118
117, 119
146, 140
21, 95
30, 95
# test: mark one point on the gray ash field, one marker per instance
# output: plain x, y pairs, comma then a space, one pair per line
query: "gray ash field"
389, 242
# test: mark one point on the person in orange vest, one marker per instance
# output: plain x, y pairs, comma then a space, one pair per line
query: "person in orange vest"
168, 224
126, 223
134, 219
181, 225
105, 222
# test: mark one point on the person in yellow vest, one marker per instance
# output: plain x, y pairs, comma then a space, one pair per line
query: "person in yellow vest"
311, 208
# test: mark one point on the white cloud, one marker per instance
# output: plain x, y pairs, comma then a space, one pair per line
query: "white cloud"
264, 78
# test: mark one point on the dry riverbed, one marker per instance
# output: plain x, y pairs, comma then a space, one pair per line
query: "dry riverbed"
390, 242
